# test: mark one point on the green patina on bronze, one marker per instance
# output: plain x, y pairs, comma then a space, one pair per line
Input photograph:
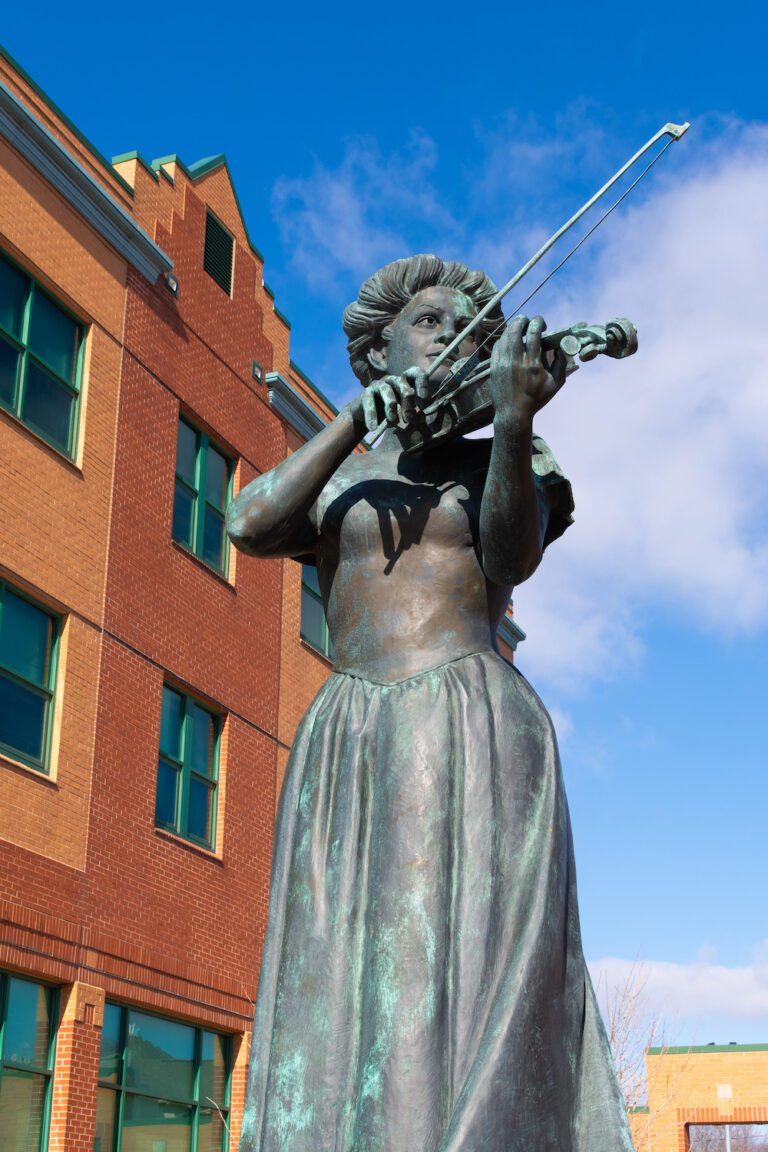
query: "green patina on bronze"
423, 987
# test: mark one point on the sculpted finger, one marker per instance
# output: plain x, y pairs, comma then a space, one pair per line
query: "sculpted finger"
417, 378
389, 400
407, 401
557, 364
533, 337
369, 410
517, 329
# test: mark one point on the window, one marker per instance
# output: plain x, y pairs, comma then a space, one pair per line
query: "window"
724, 1137
188, 768
40, 354
163, 1085
203, 477
26, 1062
219, 250
314, 628
28, 636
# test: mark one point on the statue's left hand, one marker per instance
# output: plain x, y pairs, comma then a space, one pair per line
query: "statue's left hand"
523, 377
394, 399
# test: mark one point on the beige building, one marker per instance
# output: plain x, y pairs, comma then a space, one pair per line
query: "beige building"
704, 1099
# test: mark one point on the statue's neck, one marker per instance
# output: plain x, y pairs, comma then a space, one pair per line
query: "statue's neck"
398, 439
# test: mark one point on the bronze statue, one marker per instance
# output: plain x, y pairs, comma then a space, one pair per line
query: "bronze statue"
423, 987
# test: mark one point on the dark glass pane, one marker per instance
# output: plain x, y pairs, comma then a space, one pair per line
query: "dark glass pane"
111, 1051
199, 816
166, 801
210, 1131
27, 1026
47, 406
170, 722
22, 718
160, 1057
21, 1110
183, 515
13, 294
9, 373
201, 732
213, 540
155, 1126
213, 1070
312, 620
104, 1132
53, 337
216, 479
309, 578
186, 453
25, 638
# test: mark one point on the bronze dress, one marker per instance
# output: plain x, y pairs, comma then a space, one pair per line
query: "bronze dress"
423, 986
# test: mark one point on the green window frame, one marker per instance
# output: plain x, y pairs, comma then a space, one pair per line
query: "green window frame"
29, 640
188, 768
41, 358
202, 491
314, 626
163, 1085
28, 1012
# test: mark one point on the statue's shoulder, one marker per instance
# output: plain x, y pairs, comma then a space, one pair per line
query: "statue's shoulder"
476, 453
543, 460
554, 489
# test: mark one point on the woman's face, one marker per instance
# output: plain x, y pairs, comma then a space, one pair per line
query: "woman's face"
426, 325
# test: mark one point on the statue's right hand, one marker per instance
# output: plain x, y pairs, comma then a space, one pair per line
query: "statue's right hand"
394, 399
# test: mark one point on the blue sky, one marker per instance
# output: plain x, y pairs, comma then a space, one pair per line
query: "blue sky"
357, 135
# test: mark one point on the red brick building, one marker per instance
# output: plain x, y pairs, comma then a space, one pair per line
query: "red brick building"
150, 678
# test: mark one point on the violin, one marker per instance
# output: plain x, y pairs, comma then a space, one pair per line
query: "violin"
466, 406
463, 399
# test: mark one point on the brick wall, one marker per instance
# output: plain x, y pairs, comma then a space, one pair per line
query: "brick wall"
709, 1085
93, 897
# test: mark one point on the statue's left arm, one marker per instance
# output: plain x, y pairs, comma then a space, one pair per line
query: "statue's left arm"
513, 519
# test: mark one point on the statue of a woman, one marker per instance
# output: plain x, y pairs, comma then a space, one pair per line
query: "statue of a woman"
423, 986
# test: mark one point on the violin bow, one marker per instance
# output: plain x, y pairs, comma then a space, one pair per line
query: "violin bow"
673, 131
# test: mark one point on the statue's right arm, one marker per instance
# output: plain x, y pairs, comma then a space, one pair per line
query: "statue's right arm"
274, 514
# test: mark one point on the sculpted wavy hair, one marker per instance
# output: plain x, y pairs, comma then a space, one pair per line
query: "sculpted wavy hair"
383, 296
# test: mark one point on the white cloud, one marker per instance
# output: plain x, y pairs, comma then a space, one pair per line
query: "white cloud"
667, 451
342, 224
564, 726
679, 997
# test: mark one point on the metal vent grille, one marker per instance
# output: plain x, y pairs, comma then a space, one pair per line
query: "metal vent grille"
219, 250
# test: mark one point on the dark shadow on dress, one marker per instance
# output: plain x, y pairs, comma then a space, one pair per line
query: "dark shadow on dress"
409, 504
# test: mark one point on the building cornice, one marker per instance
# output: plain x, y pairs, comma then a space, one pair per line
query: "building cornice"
292, 407
511, 633
50, 158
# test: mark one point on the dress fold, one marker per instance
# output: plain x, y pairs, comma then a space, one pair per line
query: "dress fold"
423, 985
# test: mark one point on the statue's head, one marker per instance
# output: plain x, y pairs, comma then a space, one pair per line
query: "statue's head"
369, 321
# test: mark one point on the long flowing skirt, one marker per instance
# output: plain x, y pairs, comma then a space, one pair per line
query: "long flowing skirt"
423, 986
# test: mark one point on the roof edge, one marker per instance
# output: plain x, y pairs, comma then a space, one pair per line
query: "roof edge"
97, 155
202, 168
292, 407
697, 1048
56, 164
311, 384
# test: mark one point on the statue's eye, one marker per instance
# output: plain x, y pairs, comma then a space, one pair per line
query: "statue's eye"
428, 320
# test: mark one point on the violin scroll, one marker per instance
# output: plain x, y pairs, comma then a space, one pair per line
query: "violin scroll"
617, 338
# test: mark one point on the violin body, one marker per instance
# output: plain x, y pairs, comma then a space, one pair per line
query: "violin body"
464, 401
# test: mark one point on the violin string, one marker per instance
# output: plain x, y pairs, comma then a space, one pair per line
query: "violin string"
503, 323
